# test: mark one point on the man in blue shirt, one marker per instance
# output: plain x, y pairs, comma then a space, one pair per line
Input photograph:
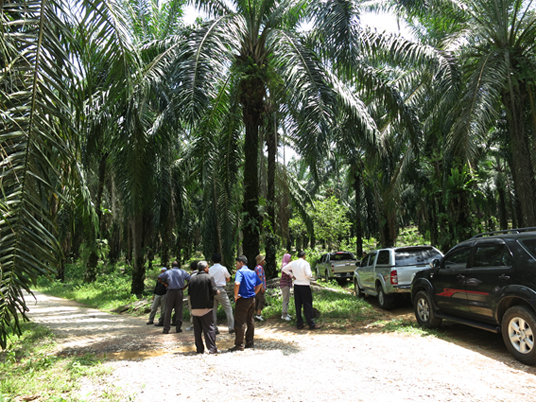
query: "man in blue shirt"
247, 285
174, 280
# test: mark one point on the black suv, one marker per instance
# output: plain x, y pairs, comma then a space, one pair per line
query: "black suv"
488, 282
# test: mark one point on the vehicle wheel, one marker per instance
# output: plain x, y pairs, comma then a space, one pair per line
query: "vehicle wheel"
385, 301
358, 292
518, 331
424, 311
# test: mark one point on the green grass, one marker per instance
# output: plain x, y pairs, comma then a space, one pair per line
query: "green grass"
109, 292
338, 307
406, 327
30, 369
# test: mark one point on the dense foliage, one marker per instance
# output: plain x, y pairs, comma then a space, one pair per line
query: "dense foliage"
126, 133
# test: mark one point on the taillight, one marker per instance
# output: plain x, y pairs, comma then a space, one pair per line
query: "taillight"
332, 267
394, 277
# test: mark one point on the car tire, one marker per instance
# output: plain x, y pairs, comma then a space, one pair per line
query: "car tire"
424, 311
385, 301
519, 331
358, 292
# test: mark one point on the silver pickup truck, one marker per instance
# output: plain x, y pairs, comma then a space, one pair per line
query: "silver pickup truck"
389, 271
337, 265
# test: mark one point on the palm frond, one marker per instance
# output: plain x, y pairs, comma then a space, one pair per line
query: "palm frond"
34, 127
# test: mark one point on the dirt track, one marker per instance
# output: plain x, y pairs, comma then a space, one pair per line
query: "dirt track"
360, 364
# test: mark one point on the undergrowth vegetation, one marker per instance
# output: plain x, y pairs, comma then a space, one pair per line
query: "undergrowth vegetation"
337, 304
30, 370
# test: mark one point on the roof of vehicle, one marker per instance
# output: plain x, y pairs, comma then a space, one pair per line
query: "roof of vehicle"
340, 252
505, 233
404, 248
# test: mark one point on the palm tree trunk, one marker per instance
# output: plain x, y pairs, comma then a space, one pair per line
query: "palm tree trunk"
271, 242
523, 170
91, 266
138, 267
252, 99
358, 227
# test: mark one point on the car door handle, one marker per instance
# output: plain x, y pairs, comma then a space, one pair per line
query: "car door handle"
504, 277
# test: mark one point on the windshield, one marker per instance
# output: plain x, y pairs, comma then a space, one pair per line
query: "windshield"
415, 256
342, 256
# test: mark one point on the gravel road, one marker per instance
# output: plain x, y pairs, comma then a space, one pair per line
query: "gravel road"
363, 363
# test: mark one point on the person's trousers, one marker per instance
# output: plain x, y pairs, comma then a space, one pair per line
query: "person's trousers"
159, 301
205, 324
223, 299
260, 299
173, 302
244, 310
303, 297
285, 290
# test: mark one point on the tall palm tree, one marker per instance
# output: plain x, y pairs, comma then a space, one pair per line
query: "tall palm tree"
247, 44
494, 43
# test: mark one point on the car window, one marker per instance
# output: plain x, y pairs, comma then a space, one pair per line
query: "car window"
457, 259
415, 256
530, 246
383, 258
492, 255
342, 256
368, 260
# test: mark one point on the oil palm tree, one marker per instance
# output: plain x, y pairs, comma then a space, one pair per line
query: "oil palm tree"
493, 42
242, 48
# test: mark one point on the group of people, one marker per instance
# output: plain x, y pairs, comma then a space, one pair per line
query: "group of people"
207, 289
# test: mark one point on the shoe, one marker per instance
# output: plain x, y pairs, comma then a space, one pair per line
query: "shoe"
149, 322
231, 331
236, 349
286, 317
316, 326
302, 326
159, 324
259, 318
213, 352
179, 331
165, 332
217, 331
190, 328
250, 345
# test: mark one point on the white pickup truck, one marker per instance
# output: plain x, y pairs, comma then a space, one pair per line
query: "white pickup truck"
337, 265
389, 271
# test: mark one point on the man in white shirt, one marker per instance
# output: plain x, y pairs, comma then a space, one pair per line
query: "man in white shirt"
300, 270
221, 277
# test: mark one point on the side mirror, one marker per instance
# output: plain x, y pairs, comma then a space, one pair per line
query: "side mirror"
358, 263
436, 263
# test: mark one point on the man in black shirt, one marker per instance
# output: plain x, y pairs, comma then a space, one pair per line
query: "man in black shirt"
202, 290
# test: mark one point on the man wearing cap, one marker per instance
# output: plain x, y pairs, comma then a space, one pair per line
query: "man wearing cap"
247, 285
202, 290
174, 280
259, 297
300, 270
221, 277
159, 300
